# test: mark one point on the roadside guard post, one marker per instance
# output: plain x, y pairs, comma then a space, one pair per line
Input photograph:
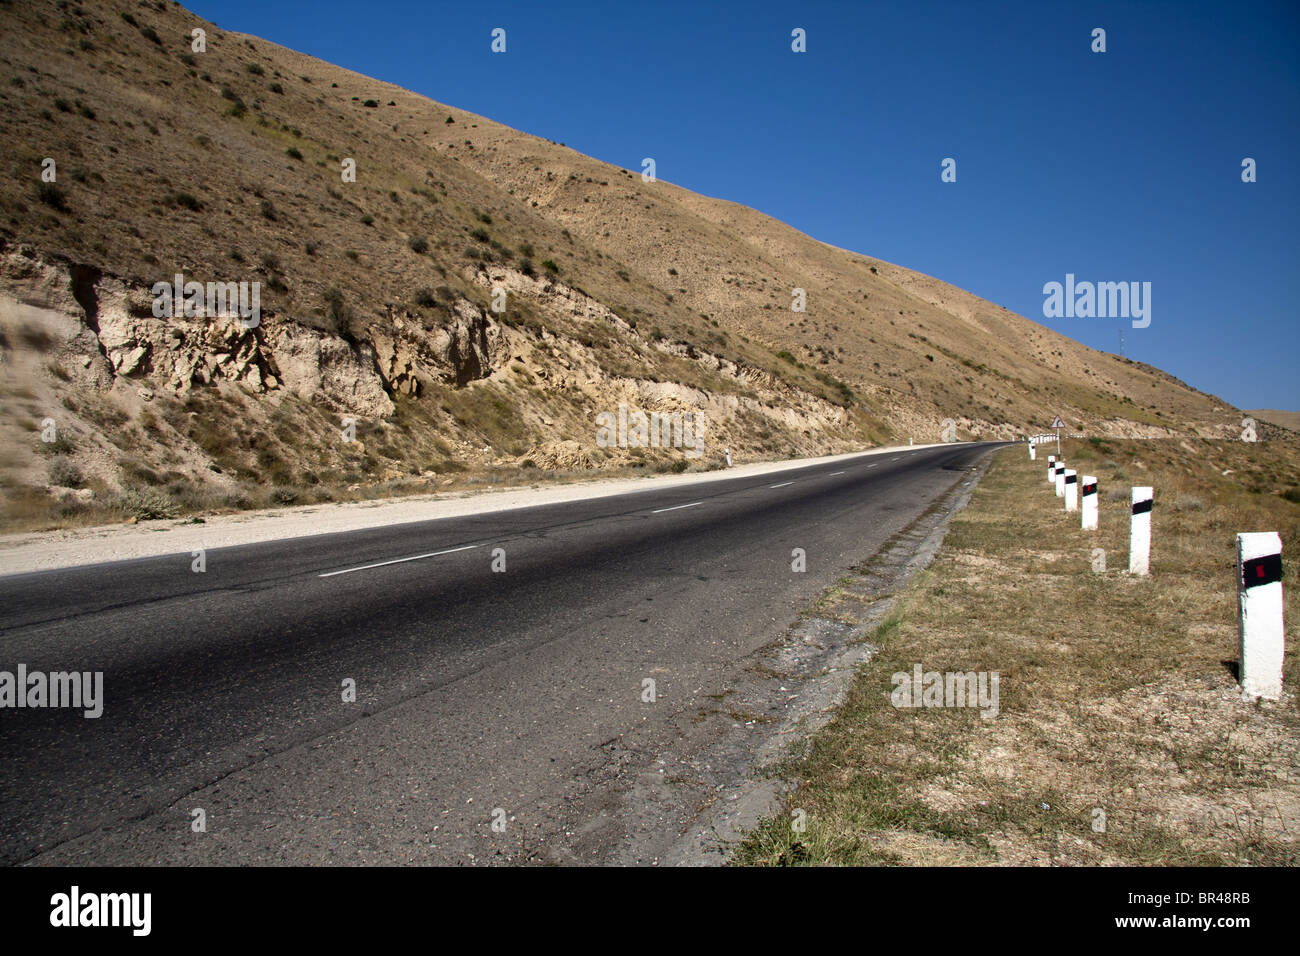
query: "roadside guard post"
1139, 542
1088, 490
1071, 490
1060, 479
1033, 455
1259, 606
1051, 469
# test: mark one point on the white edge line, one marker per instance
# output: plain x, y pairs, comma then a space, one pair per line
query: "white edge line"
675, 507
414, 557
834, 473
782, 484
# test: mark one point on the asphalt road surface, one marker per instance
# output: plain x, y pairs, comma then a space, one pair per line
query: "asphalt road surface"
499, 715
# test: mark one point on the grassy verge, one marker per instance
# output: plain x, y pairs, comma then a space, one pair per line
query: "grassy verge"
1117, 695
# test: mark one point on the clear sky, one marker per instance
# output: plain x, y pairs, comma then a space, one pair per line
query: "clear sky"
1116, 166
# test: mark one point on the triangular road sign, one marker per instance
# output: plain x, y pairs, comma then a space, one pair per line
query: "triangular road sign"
1057, 423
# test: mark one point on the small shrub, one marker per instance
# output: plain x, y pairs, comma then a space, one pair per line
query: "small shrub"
52, 195
255, 69
268, 210
146, 504
550, 266
62, 472
418, 244
187, 200
335, 307
150, 34
367, 219
424, 298
293, 153
372, 104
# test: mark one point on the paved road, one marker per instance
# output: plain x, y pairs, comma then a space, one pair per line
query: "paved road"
475, 689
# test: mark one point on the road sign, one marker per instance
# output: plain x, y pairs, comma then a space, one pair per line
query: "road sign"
1057, 423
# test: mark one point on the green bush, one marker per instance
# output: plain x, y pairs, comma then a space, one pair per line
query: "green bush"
418, 244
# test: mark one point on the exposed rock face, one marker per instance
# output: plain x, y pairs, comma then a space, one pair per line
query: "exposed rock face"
311, 362
469, 346
112, 333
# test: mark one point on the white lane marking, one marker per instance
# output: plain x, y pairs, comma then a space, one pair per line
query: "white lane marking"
834, 473
659, 511
893, 459
873, 466
782, 484
414, 557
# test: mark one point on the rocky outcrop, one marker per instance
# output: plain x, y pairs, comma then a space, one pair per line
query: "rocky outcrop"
467, 346
113, 334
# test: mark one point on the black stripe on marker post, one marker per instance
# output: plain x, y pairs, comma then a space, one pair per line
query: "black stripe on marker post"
1141, 507
1090, 488
1071, 479
1260, 571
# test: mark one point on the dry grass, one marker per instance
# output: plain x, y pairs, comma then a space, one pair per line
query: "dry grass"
1117, 694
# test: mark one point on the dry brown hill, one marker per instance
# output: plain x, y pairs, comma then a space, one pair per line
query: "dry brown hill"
1290, 420
227, 166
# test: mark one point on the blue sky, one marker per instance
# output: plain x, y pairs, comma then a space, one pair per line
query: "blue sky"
1115, 166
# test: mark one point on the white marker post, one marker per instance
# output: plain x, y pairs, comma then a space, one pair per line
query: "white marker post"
1089, 493
1139, 542
1071, 490
1033, 455
1259, 603
1060, 479
1051, 469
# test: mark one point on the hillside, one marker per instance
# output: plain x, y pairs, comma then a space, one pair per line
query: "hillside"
1288, 420
376, 296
